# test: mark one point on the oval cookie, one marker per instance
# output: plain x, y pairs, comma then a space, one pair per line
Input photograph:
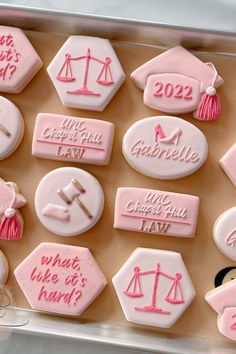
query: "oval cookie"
11, 127
69, 201
165, 147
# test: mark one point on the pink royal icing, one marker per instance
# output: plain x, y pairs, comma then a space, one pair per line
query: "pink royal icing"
60, 278
157, 212
154, 287
86, 73
66, 138
19, 62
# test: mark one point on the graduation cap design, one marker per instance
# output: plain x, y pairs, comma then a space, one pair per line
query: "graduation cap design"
185, 65
223, 301
222, 297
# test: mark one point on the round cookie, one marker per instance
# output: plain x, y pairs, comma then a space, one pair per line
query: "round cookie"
69, 201
224, 233
11, 127
4, 269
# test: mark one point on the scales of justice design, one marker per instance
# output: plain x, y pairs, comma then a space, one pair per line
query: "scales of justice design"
104, 77
173, 296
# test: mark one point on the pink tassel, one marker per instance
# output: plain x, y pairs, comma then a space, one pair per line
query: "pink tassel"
210, 106
10, 228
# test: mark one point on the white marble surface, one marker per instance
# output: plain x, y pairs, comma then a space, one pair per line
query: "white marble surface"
213, 14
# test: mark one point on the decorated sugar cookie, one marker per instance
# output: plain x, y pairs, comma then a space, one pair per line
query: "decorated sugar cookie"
228, 163
178, 82
86, 73
4, 269
224, 233
165, 147
69, 201
156, 212
11, 127
11, 221
223, 301
83, 140
154, 287
60, 278
19, 61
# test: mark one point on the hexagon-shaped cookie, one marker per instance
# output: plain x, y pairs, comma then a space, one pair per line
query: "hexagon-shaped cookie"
60, 278
154, 287
86, 73
19, 61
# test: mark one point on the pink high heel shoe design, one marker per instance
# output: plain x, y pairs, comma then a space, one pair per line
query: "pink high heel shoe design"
173, 138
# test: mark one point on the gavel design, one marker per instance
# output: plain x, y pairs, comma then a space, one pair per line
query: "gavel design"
4, 130
71, 193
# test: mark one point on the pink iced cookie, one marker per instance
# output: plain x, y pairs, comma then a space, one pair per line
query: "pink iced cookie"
157, 212
228, 163
86, 73
66, 138
60, 278
165, 147
11, 221
11, 127
19, 61
154, 287
178, 82
223, 301
175, 60
224, 233
69, 201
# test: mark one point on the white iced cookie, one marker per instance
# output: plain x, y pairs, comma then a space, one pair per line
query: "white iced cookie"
69, 201
224, 233
165, 147
154, 287
86, 73
4, 269
11, 127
